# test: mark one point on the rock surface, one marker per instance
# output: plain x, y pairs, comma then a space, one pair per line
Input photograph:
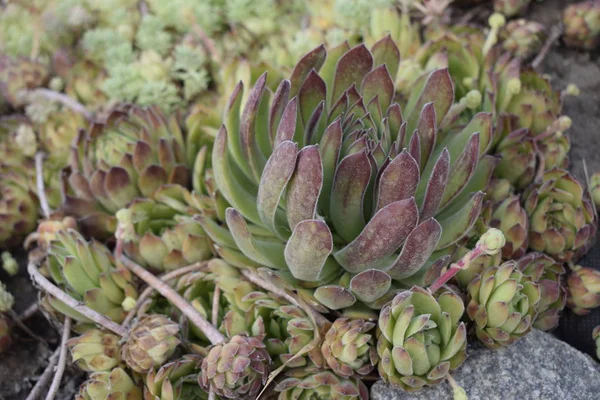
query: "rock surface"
537, 367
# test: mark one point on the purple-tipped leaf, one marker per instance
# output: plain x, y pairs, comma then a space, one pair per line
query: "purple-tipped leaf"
370, 285
436, 88
417, 249
280, 102
351, 69
349, 185
314, 59
385, 52
277, 173
248, 141
307, 250
398, 181
287, 124
304, 186
334, 297
458, 225
382, 236
462, 170
427, 129
331, 143
378, 83
312, 93
436, 184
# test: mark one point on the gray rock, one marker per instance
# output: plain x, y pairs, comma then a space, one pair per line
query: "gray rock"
538, 367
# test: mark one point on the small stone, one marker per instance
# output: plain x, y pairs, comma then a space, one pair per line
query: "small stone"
539, 366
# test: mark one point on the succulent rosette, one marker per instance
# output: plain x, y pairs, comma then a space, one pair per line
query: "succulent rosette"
151, 342
131, 154
502, 304
237, 369
18, 75
581, 23
420, 338
18, 207
175, 380
562, 218
349, 347
594, 186
510, 8
510, 217
312, 177
549, 275
87, 271
583, 287
312, 382
517, 151
464, 277
522, 38
95, 350
161, 237
115, 384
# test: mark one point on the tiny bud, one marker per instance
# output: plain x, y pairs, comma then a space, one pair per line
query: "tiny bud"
129, 303
564, 123
468, 82
458, 393
514, 86
6, 299
497, 21
26, 140
9, 264
56, 84
493, 240
473, 99
572, 90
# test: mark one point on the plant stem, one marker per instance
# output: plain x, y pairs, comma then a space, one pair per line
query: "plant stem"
62, 360
15, 318
39, 180
65, 100
45, 377
53, 290
30, 312
215, 306
458, 266
257, 280
213, 335
165, 278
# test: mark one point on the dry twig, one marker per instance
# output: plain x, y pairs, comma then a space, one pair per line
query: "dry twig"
165, 278
62, 360
45, 377
39, 180
213, 335
55, 291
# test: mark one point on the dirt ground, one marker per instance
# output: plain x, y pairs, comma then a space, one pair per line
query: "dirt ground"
21, 366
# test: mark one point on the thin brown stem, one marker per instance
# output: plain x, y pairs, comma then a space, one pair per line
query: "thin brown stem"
53, 290
213, 335
215, 306
45, 377
29, 312
39, 181
64, 100
199, 266
15, 318
62, 360
257, 280
554, 35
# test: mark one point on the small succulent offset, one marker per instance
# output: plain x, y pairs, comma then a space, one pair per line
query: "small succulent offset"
502, 304
594, 186
581, 23
237, 369
312, 177
522, 38
596, 337
583, 287
95, 351
115, 384
131, 154
420, 338
151, 342
511, 8
562, 217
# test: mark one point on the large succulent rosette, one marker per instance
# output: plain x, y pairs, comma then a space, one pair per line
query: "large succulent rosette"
312, 175
420, 338
131, 154
562, 217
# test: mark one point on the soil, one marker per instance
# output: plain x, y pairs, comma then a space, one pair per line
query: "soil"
21, 366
